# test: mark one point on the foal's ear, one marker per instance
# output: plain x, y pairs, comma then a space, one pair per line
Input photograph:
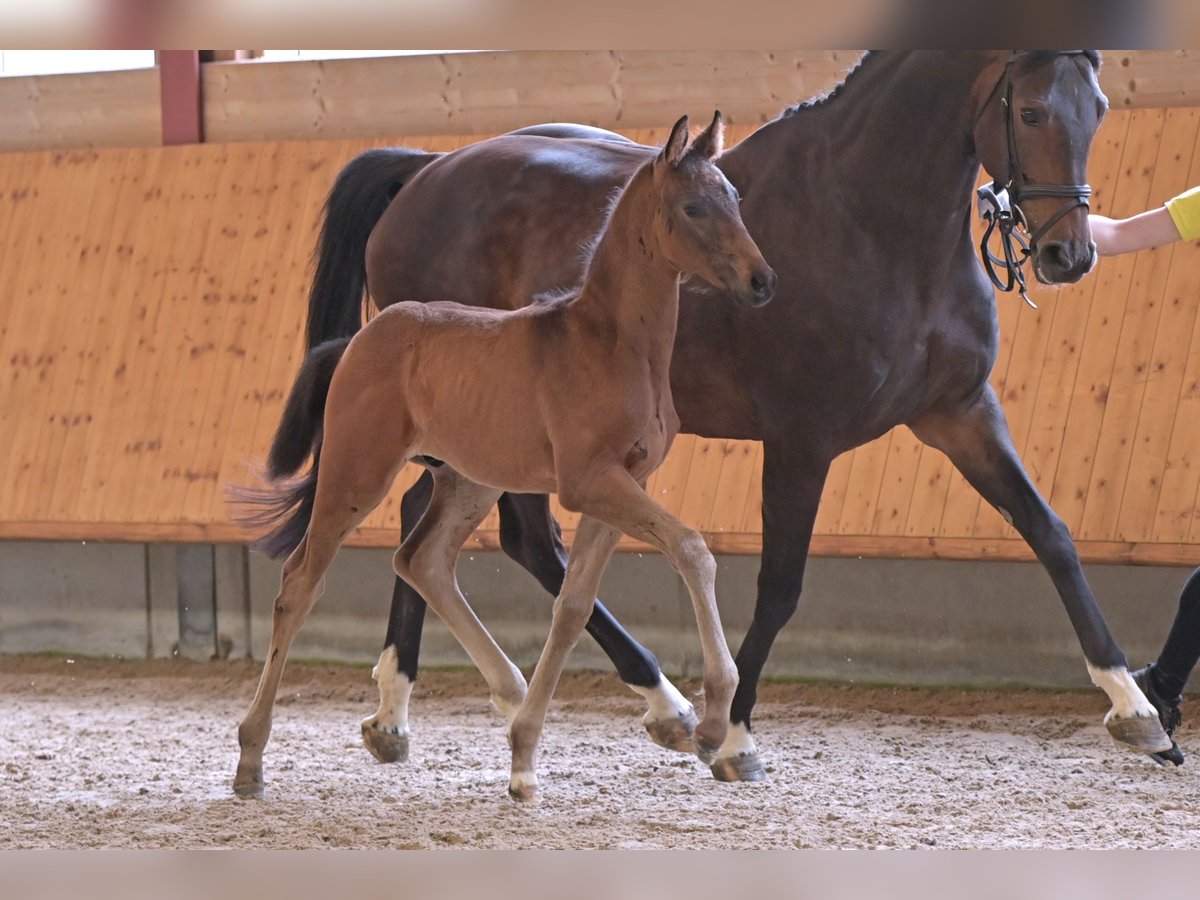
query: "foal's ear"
711, 141
673, 150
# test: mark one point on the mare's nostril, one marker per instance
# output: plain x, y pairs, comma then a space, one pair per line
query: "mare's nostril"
761, 286
1056, 255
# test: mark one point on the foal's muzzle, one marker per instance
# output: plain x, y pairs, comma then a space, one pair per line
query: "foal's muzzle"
760, 289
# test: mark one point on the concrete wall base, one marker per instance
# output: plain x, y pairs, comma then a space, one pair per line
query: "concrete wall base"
897, 621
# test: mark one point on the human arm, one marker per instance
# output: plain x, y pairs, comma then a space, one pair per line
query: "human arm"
1149, 229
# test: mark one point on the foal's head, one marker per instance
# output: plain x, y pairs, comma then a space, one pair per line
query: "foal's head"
698, 225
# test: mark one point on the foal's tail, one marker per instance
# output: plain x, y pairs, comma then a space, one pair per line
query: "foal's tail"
287, 505
356, 203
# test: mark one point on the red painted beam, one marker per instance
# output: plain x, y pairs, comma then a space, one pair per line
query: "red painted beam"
179, 74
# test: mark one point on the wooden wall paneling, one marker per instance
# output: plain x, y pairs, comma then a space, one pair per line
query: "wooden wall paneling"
931, 487
30, 366
863, 486
1044, 443
734, 488
900, 479
285, 240
833, 497
704, 472
133, 288
285, 337
60, 315
1149, 465
16, 190
162, 346
100, 361
84, 256
233, 283
199, 343
1132, 367
1094, 375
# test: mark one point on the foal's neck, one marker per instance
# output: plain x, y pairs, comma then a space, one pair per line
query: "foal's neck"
630, 291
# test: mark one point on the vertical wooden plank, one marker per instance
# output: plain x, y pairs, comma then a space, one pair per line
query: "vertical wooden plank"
704, 471
133, 290
98, 363
733, 489
833, 498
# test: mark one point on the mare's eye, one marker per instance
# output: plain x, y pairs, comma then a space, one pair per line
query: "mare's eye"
1029, 116
692, 211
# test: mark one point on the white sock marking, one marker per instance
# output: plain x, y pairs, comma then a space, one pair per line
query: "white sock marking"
664, 701
738, 742
1127, 698
394, 691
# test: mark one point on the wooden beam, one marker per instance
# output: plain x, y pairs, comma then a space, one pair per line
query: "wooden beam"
182, 121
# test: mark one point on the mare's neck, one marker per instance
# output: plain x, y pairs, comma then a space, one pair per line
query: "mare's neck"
630, 292
893, 147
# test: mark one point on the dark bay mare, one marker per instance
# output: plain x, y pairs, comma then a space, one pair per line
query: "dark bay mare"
862, 202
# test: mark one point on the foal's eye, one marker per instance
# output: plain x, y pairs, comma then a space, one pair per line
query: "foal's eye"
692, 211
1029, 116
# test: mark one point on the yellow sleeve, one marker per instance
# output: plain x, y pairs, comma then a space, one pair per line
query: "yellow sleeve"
1185, 213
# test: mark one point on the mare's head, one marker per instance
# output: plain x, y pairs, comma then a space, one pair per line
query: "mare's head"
1038, 112
698, 224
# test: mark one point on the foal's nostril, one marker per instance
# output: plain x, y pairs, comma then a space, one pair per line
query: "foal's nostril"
763, 285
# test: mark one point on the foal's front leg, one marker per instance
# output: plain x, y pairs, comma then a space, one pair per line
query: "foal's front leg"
616, 499
977, 440
594, 544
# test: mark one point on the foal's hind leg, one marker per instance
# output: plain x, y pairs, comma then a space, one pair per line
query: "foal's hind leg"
594, 544
338, 508
977, 441
426, 560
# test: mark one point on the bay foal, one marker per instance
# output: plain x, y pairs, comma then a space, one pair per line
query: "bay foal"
569, 395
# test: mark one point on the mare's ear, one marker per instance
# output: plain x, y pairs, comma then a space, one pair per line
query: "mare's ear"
676, 145
711, 141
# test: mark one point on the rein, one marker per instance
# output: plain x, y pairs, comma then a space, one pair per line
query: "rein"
1000, 206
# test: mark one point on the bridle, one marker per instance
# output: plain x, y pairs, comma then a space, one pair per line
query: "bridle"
1000, 206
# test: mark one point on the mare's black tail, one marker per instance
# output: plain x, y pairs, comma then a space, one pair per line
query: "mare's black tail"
287, 505
355, 204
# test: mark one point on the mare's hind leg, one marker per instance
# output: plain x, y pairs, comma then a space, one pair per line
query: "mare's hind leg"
594, 544
385, 734
426, 560
530, 535
343, 500
616, 499
977, 440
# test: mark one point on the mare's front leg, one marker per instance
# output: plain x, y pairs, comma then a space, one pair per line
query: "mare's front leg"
975, 436
792, 485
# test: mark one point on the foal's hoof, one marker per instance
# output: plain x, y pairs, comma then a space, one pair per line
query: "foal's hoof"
1144, 733
707, 751
743, 767
677, 733
248, 783
387, 746
523, 789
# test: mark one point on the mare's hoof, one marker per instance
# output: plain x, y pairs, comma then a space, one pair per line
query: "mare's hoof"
1144, 733
523, 790
743, 767
387, 746
248, 784
677, 733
